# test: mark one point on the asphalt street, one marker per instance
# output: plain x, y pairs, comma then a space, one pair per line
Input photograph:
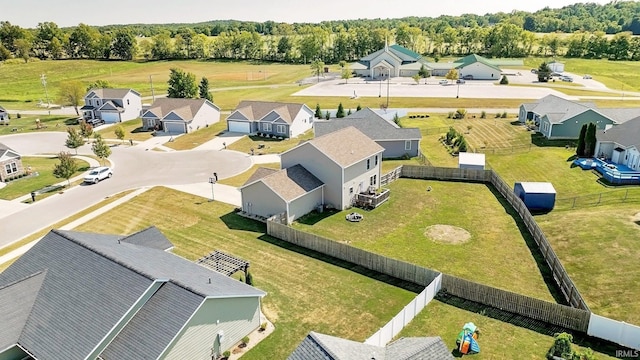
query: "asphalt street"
134, 167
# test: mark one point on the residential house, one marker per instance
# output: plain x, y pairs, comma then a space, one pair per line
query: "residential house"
179, 116
112, 105
92, 296
326, 171
559, 118
396, 141
391, 61
286, 120
10, 163
325, 347
620, 144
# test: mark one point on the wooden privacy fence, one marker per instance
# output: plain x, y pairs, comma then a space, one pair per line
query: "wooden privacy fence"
564, 282
391, 176
372, 261
551, 313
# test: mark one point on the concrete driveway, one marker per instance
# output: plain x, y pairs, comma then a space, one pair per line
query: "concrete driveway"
134, 167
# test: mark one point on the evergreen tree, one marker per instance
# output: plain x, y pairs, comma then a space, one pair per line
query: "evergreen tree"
544, 72
358, 108
340, 112
348, 112
66, 168
204, 89
74, 139
581, 141
182, 84
318, 114
327, 115
100, 148
249, 279
590, 140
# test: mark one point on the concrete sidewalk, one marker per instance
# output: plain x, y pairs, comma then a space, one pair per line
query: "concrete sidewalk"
223, 193
157, 142
220, 142
23, 249
265, 159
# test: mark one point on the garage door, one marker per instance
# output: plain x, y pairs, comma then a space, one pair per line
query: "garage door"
174, 128
110, 117
239, 126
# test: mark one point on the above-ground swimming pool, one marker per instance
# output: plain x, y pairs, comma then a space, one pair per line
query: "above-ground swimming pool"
618, 174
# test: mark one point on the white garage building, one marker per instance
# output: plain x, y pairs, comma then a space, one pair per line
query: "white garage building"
180, 116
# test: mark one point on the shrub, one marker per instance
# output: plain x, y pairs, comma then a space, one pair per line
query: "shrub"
561, 346
263, 326
504, 115
226, 354
498, 115
396, 119
450, 116
504, 80
249, 279
461, 113
358, 108
483, 115
18, 116
327, 115
245, 340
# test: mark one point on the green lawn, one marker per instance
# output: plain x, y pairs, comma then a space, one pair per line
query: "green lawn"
304, 293
240, 179
498, 340
132, 131
599, 248
44, 166
199, 137
27, 123
262, 145
496, 255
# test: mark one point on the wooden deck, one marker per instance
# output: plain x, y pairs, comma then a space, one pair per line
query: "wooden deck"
371, 201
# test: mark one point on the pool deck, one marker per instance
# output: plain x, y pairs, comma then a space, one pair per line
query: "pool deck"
618, 174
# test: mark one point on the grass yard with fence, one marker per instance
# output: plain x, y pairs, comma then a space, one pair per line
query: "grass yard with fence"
303, 293
599, 248
497, 253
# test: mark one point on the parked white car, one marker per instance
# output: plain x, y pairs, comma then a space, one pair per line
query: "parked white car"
444, 82
97, 174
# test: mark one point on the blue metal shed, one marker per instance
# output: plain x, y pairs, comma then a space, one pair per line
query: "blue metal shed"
539, 196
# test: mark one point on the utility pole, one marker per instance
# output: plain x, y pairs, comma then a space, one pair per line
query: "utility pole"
388, 81
43, 79
153, 98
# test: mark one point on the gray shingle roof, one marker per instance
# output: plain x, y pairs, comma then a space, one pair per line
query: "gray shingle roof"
561, 108
292, 182
111, 93
155, 325
259, 174
371, 124
620, 115
256, 110
324, 347
15, 313
345, 146
626, 134
93, 280
150, 237
4, 149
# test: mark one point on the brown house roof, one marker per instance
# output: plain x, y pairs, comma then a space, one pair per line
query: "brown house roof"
259, 174
346, 146
291, 183
185, 108
256, 110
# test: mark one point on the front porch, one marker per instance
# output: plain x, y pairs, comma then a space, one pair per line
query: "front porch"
371, 199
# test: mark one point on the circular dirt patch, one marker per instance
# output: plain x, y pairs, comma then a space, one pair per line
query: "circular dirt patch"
447, 234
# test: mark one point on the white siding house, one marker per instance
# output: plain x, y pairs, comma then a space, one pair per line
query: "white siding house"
277, 119
178, 116
112, 105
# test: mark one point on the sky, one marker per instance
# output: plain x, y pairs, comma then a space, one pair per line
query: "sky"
28, 13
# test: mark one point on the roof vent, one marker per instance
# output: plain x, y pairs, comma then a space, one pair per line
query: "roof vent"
118, 241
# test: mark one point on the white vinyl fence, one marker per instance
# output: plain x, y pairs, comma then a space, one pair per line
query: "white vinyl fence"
393, 327
618, 332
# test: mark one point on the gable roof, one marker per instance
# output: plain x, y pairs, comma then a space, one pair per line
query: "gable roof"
2, 109
558, 109
92, 281
110, 93
398, 50
291, 183
110, 106
15, 313
186, 109
150, 237
259, 174
324, 347
371, 124
625, 134
620, 115
256, 110
5, 150
345, 147
474, 58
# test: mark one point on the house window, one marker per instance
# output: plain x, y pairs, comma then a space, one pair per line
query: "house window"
368, 164
280, 129
11, 168
373, 180
350, 190
376, 163
266, 127
127, 101
407, 144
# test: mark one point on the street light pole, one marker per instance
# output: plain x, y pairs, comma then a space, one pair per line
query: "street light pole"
153, 98
458, 91
388, 81
43, 78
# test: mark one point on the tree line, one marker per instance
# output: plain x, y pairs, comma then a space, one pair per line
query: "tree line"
491, 35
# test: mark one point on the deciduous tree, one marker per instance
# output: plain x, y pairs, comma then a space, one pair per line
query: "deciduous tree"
452, 74
66, 167
100, 148
119, 132
317, 66
74, 139
182, 84
72, 93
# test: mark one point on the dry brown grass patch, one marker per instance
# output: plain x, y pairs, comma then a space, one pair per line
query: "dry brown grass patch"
447, 234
